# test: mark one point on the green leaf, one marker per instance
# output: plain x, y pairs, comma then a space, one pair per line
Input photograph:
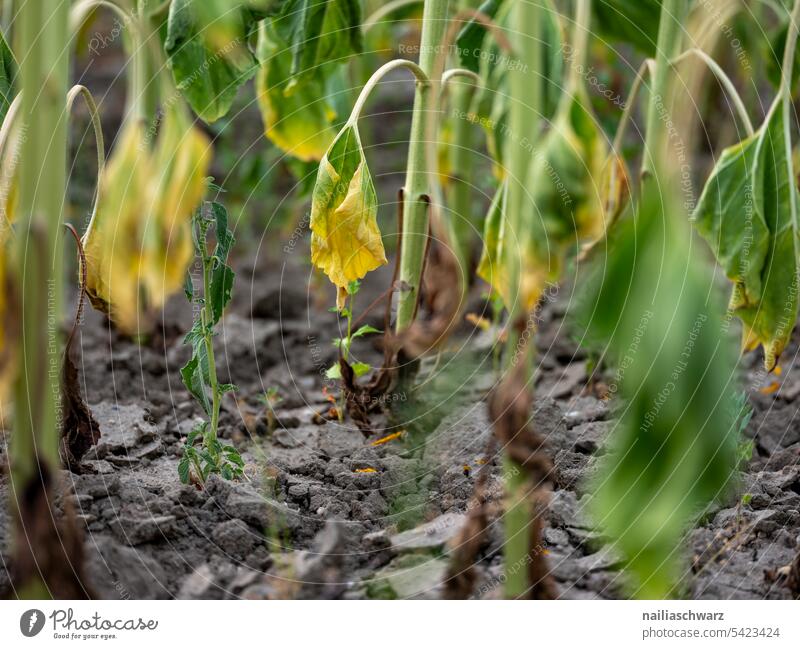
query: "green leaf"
220, 290
197, 431
228, 387
317, 32
8, 77
493, 102
188, 287
225, 238
363, 330
492, 264
472, 36
208, 53
564, 177
746, 214
192, 377
183, 469
334, 372
361, 369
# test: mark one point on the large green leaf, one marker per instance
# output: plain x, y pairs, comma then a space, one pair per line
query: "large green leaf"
207, 46
726, 218
192, 377
299, 121
318, 32
747, 216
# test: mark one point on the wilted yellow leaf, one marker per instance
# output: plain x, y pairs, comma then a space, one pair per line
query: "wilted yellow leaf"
113, 241
345, 241
182, 160
139, 246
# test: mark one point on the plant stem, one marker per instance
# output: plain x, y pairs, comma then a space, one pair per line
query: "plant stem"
41, 46
390, 7
417, 184
580, 45
460, 222
208, 335
527, 98
670, 38
724, 80
386, 68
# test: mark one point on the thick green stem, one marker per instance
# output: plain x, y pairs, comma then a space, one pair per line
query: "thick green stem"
527, 96
460, 223
580, 45
417, 185
41, 45
670, 38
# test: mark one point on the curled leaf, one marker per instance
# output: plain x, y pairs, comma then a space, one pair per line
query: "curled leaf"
565, 182
113, 240
746, 213
345, 241
673, 450
138, 246
182, 158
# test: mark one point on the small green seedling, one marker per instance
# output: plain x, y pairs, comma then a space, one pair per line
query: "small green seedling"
343, 344
203, 454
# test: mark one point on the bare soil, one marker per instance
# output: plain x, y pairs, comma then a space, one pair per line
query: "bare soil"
326, 513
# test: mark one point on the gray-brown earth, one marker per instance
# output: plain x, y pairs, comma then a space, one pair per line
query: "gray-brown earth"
325, 513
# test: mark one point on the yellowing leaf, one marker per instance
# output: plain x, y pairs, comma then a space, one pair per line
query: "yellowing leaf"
566, 175
182, 159
388, 438
138, 246
345, 240
493, 265
564, 181
300, 122
112, 242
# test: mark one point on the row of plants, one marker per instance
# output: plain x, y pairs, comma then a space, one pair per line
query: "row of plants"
568, 207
